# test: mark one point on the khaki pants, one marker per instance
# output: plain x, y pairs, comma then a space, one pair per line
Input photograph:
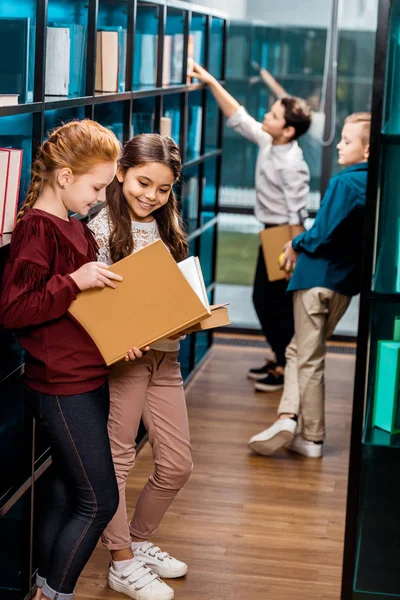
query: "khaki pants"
316, 314
150, 388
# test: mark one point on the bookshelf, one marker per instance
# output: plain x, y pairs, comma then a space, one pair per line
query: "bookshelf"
370, 566
136, 106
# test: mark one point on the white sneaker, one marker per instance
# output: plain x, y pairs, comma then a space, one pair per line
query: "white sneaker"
275, 437
305, 447
138, 582
160, 562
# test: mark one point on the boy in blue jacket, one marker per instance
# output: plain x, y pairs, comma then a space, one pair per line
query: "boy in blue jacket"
327, 261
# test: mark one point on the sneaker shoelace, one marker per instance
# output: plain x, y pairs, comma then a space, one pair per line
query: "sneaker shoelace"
154, 551
138, 574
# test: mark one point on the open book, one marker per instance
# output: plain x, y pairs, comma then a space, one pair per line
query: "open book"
219, 316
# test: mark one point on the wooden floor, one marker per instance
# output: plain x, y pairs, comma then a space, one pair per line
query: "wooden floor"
250, 527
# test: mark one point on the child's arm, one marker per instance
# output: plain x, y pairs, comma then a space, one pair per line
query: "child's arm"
30, 296
296, 188
238, 118
339, 202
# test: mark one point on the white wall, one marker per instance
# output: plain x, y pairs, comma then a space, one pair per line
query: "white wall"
356, 14
235, 9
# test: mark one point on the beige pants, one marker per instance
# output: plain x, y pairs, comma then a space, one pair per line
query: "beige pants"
150, 388
316, 314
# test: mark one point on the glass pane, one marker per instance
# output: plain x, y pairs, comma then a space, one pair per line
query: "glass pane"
16, 132
209, 191
172, 111
387, 271
237, 251
67, 32
207, 254
145, 58
59, 116
112, 27
190, 198
392, 96
212, 123
17, 64
143, 116
195, 120
216, 43
197, 40
14, 539
173, 47
111, 115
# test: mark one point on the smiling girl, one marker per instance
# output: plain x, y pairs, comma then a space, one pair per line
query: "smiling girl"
141, 207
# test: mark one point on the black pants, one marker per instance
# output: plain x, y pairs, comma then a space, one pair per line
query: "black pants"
274, 309
83, 495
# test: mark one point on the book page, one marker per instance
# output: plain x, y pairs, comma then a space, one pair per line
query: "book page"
191, 270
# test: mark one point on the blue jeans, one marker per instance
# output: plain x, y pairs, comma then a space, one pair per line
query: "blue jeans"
83, 495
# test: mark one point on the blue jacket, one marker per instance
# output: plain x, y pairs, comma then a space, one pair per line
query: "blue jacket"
330, 252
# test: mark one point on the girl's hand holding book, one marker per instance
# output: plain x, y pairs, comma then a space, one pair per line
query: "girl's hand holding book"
95, 275
135, 353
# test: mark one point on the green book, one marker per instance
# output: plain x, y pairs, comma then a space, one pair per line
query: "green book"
386, 413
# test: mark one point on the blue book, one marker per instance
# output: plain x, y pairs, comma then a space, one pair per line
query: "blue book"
14, 61
386, 401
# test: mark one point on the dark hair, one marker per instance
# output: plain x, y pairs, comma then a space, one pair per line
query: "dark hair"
298, 114
141, 149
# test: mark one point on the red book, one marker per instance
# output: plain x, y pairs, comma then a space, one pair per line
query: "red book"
10, 176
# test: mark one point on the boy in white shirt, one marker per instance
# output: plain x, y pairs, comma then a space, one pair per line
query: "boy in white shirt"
282, 187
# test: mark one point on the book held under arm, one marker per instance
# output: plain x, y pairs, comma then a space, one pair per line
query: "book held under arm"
273, 240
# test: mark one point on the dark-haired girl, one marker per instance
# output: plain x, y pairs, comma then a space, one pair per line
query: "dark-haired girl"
141, 208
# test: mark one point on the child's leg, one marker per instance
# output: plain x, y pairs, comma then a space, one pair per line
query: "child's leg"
290, 401
274, 310
77, 428
317, 311
166, 420
128, 387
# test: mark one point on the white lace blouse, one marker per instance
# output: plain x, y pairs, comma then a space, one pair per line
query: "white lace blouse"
143, 235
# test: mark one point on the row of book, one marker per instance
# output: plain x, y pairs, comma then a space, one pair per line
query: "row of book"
10, 176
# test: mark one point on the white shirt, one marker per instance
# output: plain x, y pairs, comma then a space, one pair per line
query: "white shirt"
282, 175
143, 235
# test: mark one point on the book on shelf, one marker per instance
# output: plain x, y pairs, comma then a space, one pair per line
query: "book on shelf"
154, 301
386, 411
9, 99
122, 41
10, 176
167, 58
166, 127
15, 60
178, 44
194, 132
58, 50
77, 58
107, 61
148, 62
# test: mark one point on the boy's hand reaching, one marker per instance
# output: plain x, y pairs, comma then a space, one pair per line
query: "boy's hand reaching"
201, 74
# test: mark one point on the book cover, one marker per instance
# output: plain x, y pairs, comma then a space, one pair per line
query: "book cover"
153, 302
148, 65
9, 99
219, 318
122, 40
177, 58
14, 61
273, 240
386, 399
166, 80
166, 127
77, 57
57, 61
107, 61
13, 158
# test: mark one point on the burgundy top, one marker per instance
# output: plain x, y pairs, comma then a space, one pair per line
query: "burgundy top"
36, 293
